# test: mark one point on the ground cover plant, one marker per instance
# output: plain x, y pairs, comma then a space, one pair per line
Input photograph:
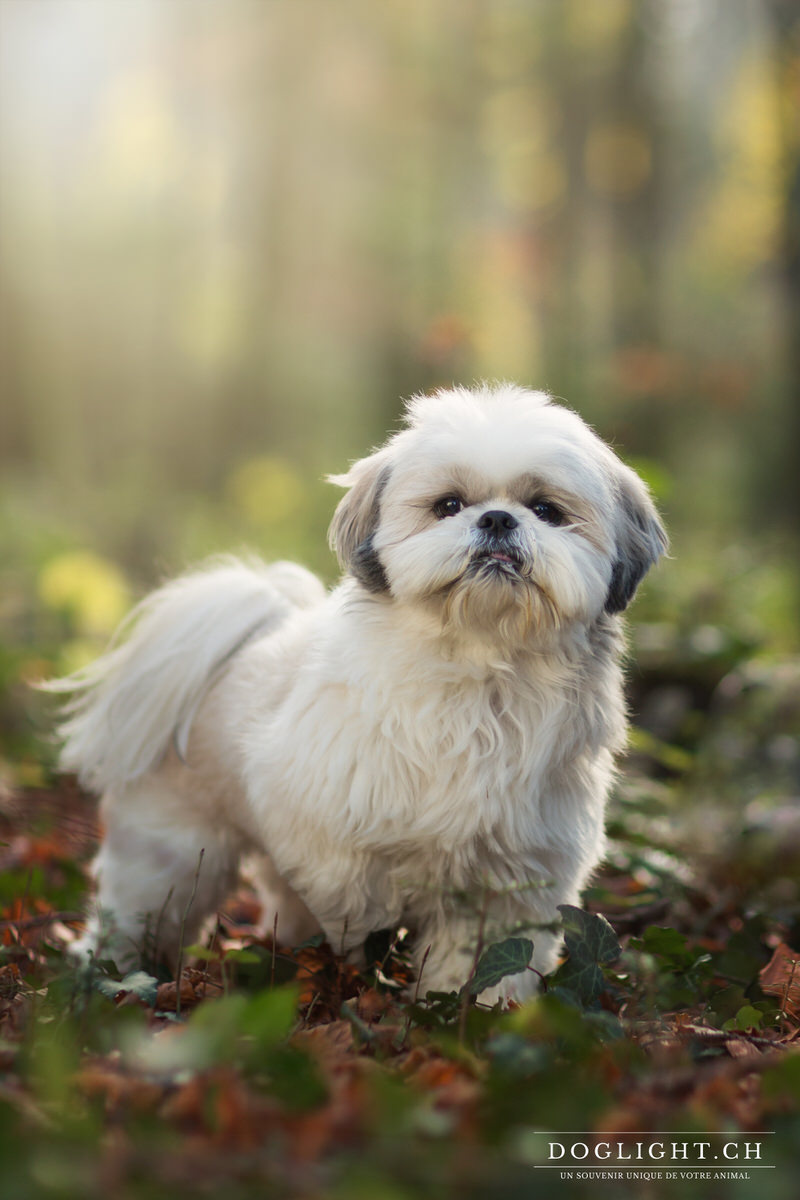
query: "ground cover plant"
266, 1070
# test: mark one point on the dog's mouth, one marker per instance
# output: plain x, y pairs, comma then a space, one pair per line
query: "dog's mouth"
506, 560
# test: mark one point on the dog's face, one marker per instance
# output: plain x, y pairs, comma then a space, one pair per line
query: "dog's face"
501, 510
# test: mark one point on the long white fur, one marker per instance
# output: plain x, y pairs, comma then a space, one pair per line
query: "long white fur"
433, 727
145, 691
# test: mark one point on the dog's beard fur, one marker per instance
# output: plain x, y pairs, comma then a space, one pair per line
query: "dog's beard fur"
511, 612
447, 715
496, 599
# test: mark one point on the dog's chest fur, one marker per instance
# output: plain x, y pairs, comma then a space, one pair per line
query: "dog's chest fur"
454, 760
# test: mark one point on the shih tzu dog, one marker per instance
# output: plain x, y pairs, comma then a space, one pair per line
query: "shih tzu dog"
440, 726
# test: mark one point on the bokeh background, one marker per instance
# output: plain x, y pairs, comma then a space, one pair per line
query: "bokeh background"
234, 233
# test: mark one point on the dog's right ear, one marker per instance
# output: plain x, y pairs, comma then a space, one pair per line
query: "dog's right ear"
356, 519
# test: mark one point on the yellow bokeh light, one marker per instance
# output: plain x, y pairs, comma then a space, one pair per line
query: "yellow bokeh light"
592, 25
532, 181
740, 224
266, 490
90, 589
139, 145
506, 341
522, 113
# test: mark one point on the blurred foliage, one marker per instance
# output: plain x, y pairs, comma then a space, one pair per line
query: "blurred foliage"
234, 230
320, 1080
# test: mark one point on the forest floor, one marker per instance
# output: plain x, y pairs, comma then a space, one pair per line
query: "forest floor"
277, 1071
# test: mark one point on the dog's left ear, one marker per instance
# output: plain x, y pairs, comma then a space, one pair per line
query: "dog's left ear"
641, 539
356, 519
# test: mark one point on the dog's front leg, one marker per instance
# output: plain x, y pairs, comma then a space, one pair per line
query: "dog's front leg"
445, 951
451, 941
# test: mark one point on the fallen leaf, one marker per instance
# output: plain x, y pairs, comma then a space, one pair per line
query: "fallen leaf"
372, 1004
326, 1042
741, 1048
167, 995
118, 1089
781, 978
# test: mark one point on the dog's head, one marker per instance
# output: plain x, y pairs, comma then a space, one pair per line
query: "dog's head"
501, 509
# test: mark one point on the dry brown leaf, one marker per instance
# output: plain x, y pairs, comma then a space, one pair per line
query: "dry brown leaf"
167, 995
187, 1104
339, 1123
206, 987
328, 1042
117, 1089
781, 978
325, 980
454, 1084
312, 967
240, 1118
372, 1004
10, 979
742, 1048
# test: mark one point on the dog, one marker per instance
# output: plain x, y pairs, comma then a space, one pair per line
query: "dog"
434, 737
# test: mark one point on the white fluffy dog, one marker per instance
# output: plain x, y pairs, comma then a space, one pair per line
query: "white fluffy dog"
442, 724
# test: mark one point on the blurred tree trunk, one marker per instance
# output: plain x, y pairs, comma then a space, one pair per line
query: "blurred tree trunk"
433, 56
636, 214
785, 15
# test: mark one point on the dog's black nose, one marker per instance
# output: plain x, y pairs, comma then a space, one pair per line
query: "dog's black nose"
497, 521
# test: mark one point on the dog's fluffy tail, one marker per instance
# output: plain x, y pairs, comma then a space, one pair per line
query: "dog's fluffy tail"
144, 692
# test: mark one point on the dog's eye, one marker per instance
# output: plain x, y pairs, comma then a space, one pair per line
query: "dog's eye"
448, 506
548, 512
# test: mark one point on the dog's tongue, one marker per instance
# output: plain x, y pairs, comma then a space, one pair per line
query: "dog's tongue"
498, 554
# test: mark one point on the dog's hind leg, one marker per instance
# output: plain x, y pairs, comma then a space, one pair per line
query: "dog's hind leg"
160, 873
282, 909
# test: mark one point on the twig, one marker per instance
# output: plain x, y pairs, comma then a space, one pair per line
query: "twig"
718, 1037
159, 920
787, 990
310, 1008
379, 969
466, 997
419, 975
407, 1026
179, 971
223, 973
274, 950
542, 977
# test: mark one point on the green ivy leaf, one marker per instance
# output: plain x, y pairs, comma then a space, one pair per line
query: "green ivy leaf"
590, 942
746, 1018
516, 1056
241, 956
508, 957
660, 939
139, 982
198, 950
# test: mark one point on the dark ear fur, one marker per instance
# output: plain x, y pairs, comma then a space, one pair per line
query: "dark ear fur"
641, 540
356, 518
